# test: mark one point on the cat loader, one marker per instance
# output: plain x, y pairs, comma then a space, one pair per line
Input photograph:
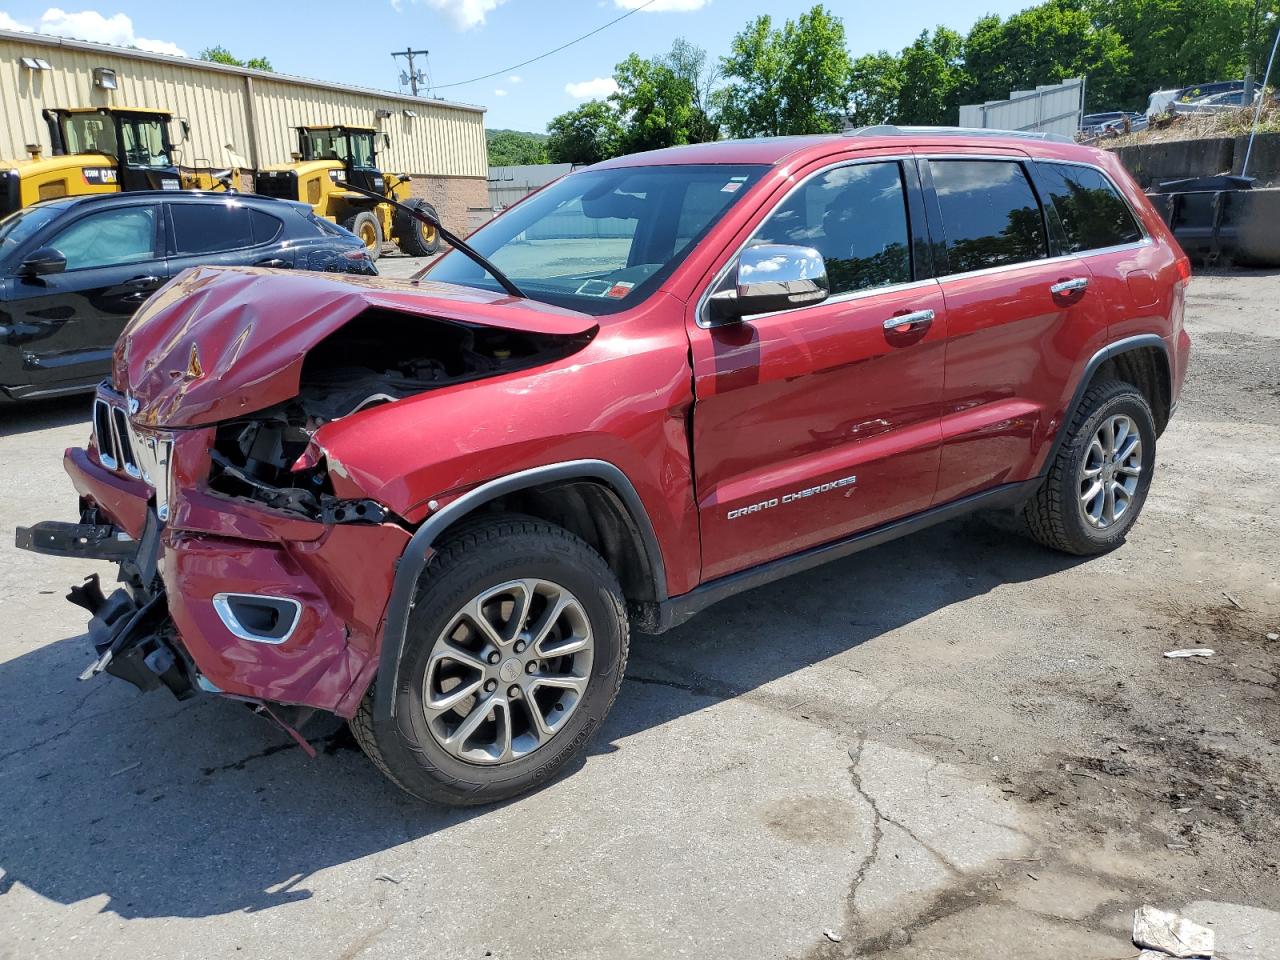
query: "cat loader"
104, 150
331, 156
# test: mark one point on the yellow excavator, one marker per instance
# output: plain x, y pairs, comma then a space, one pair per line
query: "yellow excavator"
104, 150
329, 157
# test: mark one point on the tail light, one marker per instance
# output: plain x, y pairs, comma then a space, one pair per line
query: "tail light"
1183, 266
358, 254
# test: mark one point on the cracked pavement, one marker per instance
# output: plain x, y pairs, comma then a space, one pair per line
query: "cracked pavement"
957, 745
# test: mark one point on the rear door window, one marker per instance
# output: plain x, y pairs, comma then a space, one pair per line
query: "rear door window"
856, 217
210, 227
990, 214
1086, 212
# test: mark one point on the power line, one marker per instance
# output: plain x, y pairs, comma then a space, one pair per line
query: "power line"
543, 56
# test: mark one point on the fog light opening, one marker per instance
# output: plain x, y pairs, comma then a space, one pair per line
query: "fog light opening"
258, 618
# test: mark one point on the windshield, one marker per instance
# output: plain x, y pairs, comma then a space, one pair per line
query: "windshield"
601, 240
19, 227
144, 144
90, 133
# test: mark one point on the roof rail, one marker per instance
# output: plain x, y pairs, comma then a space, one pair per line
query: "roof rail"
889, 130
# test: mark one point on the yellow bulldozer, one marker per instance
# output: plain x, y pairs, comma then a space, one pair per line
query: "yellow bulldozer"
329, 157
104, 150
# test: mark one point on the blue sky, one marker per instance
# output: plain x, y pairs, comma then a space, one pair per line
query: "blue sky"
350, 42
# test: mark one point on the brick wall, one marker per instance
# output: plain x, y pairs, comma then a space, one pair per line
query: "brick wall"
453, 197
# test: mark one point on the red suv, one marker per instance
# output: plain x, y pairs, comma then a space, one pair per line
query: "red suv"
435, 508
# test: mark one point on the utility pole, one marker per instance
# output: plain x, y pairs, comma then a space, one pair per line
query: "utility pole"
413, 77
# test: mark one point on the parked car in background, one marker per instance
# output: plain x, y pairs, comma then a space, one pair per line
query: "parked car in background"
74, 270
1113, 123
437, 509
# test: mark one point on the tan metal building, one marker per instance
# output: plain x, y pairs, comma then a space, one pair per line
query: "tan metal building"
249, 114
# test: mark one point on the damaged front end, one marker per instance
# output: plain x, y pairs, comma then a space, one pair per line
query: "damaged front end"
252, 566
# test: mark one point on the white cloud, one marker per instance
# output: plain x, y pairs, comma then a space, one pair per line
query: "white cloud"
662, 6
499, 92
93, 26
599, 87
514, 78
465, 14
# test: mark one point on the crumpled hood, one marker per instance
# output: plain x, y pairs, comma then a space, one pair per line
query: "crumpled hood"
221, 342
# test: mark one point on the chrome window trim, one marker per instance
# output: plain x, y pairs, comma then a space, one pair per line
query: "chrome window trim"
1061, 258
222, 606
700, 309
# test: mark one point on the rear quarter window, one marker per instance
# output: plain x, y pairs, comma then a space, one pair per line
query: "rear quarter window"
990, 214
210, 227
1086, 211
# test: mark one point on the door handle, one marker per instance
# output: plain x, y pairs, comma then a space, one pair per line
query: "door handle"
142, 283
275, 262
1069, 286
909, 320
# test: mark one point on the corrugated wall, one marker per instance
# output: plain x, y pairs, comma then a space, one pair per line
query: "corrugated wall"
1051, 108
442, 140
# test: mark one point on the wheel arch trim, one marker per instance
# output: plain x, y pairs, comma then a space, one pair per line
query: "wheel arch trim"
1128, 344
419, 551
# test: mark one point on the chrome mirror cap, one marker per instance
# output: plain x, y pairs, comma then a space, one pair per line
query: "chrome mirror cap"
770, 277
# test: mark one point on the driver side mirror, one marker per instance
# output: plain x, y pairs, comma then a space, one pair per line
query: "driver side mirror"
771, 277
44, 261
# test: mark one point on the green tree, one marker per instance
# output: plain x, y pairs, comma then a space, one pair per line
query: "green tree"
791, 80
876, 81
511, 148
665, 101
1175, 43
221, 54
589, 134
1047, 43
932, 77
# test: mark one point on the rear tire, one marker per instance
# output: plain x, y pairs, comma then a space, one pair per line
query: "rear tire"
414, 237
1098, 480
365, 226
555, 647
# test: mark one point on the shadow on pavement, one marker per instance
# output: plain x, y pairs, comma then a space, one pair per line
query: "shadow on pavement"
32, 415
200, 809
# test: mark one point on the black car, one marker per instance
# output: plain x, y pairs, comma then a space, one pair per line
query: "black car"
73, 270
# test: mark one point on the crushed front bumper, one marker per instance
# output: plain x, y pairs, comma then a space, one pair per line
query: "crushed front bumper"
227, 596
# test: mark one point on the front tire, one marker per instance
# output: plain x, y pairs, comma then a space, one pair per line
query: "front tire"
366, 226
415, 238
1099, 479
514, 653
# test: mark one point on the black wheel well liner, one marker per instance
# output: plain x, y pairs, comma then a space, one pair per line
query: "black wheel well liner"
1142, 360
591, 498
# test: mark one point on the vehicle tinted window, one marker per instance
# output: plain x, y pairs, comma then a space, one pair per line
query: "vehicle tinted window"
210, 227
1086, 209
265, 227
856, 217
107, 238
990, 215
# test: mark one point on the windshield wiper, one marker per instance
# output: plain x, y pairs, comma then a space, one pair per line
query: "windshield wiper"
456, 242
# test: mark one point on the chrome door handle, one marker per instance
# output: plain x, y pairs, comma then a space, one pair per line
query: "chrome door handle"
1069, 286
909, 319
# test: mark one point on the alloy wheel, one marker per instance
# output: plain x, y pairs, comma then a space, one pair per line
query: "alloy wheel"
508, 671
1109, 472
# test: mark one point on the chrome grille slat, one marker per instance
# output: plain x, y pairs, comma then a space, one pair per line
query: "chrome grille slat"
104, 434
123, 437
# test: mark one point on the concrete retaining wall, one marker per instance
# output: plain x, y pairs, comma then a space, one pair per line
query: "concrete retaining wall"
1152, 163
